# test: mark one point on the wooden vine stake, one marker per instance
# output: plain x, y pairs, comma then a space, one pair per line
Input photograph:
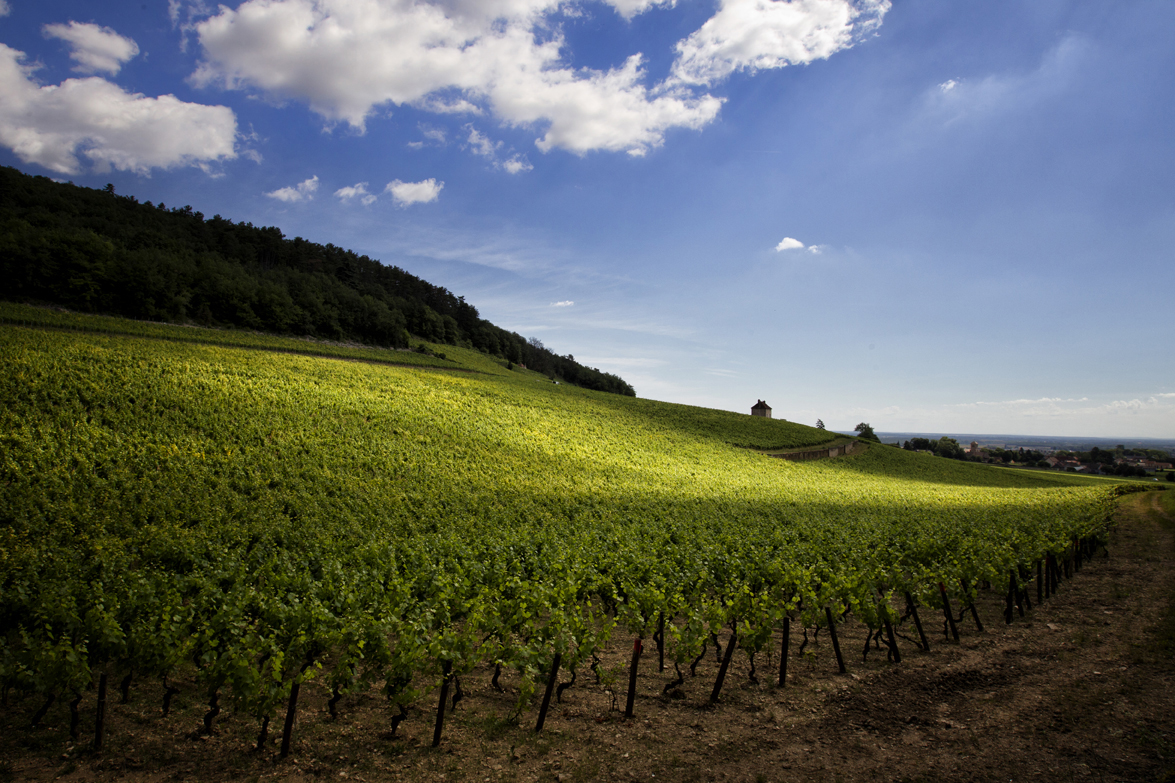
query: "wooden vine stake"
1039, 583
447, 672
1012, 599
783, 643
636, 659
100, 717
730, 645
661, 642
840, 661
917, 622
558, 659
971, 606
946, 608
292, 711
893, 642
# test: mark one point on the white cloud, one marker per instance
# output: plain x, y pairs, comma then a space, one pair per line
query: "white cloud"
756, 34
787, 243
303, 191
517, 165
344, 58
435, 135
482, 145
630, 8
95, 49
815, 249
458, 106
405, 193
359, 191
189, 9
5, 10
1061, 406
49, 125
986, 99
565, 303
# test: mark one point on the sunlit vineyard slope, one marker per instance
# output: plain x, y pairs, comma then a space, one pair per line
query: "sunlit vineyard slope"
266, 517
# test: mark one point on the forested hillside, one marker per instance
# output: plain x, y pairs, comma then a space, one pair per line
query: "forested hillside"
97, 251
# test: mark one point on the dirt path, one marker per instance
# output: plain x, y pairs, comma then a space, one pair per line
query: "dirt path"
1083, 688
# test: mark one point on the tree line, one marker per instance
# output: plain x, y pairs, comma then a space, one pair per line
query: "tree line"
97, 251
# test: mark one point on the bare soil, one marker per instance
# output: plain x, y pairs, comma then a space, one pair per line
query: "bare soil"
1082, 688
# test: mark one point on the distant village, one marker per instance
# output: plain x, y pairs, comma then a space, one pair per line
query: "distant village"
1119, 461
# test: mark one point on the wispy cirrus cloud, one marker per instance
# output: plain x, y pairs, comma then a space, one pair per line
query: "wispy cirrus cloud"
1067, 406
482, 145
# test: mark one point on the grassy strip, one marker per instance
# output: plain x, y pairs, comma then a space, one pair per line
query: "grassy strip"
44, 317
1164, 642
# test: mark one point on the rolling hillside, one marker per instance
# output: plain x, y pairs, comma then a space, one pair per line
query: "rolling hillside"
238, 510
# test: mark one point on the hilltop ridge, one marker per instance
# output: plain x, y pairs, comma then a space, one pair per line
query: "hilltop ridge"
99, 252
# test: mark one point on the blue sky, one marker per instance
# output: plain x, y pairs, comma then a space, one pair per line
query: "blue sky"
931, 216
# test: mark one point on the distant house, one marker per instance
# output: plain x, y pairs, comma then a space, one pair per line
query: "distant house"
761, 409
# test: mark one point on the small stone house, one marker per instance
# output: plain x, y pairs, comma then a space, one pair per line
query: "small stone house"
761, 409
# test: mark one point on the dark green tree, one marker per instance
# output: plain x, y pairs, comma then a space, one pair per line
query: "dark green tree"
865, 432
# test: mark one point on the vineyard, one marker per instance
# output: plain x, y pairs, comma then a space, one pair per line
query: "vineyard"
252, 521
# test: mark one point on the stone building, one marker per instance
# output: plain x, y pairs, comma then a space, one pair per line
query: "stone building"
761, 409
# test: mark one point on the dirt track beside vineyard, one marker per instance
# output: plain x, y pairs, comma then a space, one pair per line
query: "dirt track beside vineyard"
1082, 688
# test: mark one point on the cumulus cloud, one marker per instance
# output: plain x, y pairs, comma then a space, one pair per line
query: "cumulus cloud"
49, 125
787, 243
345, 58
406, 193
517, 165
815, 249
5, 10
359, 191
95, 49
947, 86
752, 35
565, 303
303, 191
